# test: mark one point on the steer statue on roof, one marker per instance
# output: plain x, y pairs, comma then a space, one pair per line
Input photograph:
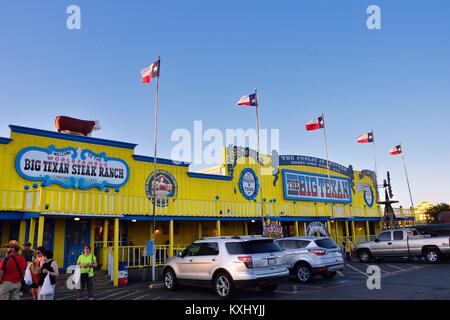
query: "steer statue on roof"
76, 126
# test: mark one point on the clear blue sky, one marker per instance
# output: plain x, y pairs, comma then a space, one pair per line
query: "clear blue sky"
305, 57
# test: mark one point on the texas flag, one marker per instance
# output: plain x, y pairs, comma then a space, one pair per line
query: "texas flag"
396, 150
151, 72
249, 100
365, 138
315, 124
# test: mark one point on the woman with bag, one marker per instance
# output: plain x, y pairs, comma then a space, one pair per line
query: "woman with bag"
35, 269
87, 262
49, 272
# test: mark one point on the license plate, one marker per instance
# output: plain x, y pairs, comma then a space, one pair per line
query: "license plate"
272, 261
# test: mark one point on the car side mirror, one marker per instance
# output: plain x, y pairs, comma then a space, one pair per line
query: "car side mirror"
180, 254
377, 240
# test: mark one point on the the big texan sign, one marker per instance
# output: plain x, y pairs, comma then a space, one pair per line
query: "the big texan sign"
307, 186
71, 168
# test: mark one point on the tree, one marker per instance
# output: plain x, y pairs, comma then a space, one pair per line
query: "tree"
432, 214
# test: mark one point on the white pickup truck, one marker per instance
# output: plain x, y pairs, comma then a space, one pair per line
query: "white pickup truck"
407, 242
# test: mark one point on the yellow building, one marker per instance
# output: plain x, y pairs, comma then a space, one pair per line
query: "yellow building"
61, 191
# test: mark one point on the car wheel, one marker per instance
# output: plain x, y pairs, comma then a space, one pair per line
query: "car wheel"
432, 255
303, 273
329, 275
268, 288
364, 256
170, 280
223, 285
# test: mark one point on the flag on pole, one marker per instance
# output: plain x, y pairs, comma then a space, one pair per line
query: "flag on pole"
151, 72
250, 101
396, 150
365, 138
315, 124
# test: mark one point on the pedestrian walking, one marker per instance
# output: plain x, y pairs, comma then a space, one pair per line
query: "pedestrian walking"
12, 269
87, 262
345, 252
35, 268
27, 252
49, 267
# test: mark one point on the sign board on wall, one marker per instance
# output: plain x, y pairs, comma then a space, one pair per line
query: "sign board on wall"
298, 185
71, 168
248, 184
315, 162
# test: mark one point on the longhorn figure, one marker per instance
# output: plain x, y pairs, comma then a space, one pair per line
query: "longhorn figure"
76, 126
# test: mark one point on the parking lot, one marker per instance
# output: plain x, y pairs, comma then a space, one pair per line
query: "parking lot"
399, 280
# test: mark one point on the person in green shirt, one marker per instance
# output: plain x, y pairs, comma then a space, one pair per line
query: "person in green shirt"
87, 262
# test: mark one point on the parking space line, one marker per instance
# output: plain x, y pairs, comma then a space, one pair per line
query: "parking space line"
340, 273
111, 295
395, 267
127, 295
352, 267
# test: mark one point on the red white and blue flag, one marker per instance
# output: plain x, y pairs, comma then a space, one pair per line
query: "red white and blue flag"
250, 101
315, 124
151, 72
396, 150
366, 138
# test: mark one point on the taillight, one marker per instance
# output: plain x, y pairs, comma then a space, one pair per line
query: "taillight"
317, 252
247, 260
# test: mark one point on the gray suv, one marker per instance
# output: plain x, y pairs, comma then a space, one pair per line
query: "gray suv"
228, 262
309, 256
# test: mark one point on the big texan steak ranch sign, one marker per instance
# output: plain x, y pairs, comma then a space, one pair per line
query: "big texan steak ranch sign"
71, 168
307, 186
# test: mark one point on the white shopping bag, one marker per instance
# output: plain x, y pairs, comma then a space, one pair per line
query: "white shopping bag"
47, 289
27, 278
76, 275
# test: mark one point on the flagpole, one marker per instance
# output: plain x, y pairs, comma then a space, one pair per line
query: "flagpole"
407, 179
375, 161
155, 141
257, 159
328, 165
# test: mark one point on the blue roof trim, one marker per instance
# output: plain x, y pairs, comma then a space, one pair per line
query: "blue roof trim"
209, 176
161, 161
5, 140
192, 218
63, 136
305, 219
10, 215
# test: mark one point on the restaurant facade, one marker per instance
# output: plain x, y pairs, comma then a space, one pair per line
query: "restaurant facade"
60, 191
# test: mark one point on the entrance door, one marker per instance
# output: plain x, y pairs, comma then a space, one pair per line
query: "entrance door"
77, 234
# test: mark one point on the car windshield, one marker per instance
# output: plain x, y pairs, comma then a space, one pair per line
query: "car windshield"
326, 243
252, 247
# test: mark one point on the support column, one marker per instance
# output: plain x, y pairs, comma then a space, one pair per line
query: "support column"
380, 224
218, 227
105, 246
92, 235
31, 233
297, 233
353, 232
116, 252
40, 235
22, 230
336, 227
329, 228
200, 230
245, 228
347, 234
170, 252
304, 228
367, 231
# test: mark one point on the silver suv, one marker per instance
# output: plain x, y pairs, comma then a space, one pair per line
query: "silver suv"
228, 262
308, 256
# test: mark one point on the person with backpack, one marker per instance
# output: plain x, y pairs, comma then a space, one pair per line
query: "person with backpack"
12, 269
87, 262
49, 267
